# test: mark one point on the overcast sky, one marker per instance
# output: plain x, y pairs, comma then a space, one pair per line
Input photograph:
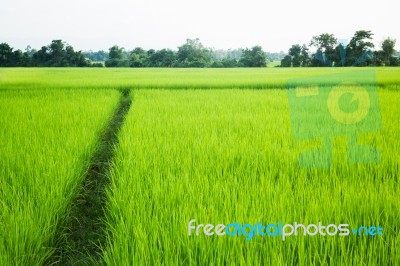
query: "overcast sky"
275, 25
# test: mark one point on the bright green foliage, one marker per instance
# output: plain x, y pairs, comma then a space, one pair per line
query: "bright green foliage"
47, 138
167, 78
204, 144
220, 156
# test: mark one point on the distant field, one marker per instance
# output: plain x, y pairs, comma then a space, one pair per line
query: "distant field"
162, 78
215, 145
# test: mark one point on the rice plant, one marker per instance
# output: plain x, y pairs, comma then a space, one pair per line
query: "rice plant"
47, 138
225, 156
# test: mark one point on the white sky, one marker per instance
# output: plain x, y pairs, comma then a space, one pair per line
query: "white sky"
275, 25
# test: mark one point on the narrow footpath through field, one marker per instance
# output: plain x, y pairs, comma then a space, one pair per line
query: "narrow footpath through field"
83, 236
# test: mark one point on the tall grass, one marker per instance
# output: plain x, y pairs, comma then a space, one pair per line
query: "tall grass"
164, 78
46, 140
223, 156
204, 144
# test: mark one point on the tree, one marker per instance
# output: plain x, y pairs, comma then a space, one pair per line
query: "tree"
254, 57
115, 52
325, 44
339, 57
394, 61
19, 59
57, 54
162, 58
226, 58
115, 57
80, 60
28, 54
138, 57
359, 45
295, 53
71, 55
286, 61
304, 56
193, 54
297, 56
41, 57
225, 63
6, 54
388, 50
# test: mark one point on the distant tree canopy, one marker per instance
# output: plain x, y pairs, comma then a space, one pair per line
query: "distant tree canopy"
387, 53
358, 46
295, 53
96, 56
254, 57
193, 54
190, 54
286, 61
56, 54
7, 57
329, 52
60, 54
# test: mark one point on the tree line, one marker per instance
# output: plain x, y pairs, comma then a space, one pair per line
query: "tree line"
330, 52
56, 54
190, 54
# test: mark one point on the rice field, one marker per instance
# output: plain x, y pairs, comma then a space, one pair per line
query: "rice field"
215, 145
165, 78
47, 138
228, 155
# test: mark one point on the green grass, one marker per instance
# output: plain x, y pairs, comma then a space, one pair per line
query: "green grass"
164, 78
213, 145
222, 156
84, 231
47, 138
